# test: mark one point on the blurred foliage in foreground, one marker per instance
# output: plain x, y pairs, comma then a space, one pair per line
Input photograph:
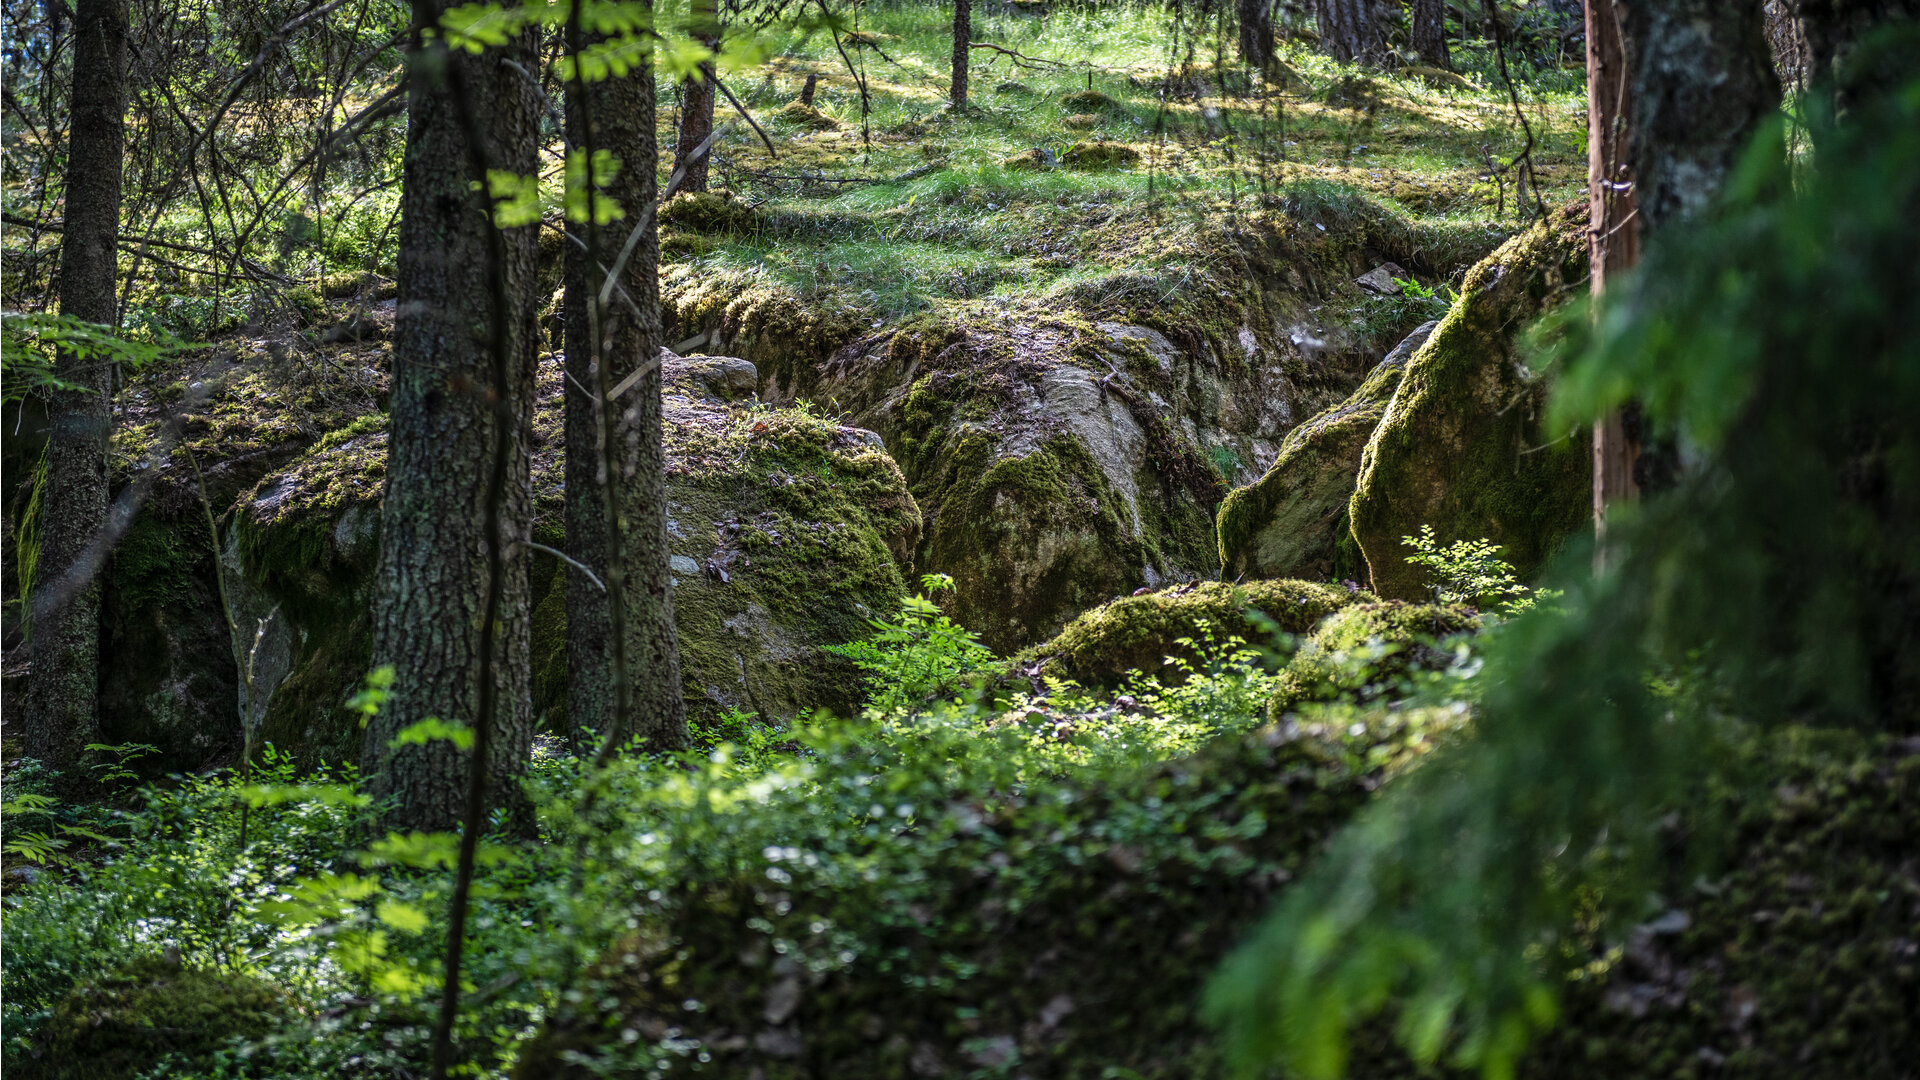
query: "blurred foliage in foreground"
1779, 583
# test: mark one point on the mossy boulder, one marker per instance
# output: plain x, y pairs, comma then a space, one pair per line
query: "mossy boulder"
1100, 155
754, 317
1460, 446
1138, 633
1360, 651
122, 1024
1292, 522
1036, 159
706, 212
801, 115
787, 534
1089, 101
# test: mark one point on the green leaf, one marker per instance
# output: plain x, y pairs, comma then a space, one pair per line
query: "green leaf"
401, 916
433, 729
516, 198
605, 168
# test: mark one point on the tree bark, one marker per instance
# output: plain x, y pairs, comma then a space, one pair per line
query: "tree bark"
62, 697
696, 106
1830, 30
1615, 244
628, 541
1695, 84
1256, 32
1353, 31
1429, 33
446, 409
962, 37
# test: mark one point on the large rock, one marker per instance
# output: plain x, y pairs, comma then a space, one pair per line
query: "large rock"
1460, 446
1292, 522
787, 534
119, 1024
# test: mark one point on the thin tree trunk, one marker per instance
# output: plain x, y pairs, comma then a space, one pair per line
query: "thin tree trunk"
962, 37
1615, 245
1353, 31
1429, 33
696, 105
62, 696
1256, 32
628, 539
432, 579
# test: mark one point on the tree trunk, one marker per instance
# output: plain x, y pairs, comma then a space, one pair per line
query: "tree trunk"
1615, 244
1703, 82
1429, 32
1831, 29
1697, 82
627, 543
1353, 31
962, 36
447, 408
63, 693
696, 105
1256, 33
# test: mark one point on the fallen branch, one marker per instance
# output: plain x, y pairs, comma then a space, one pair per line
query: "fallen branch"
1019, 59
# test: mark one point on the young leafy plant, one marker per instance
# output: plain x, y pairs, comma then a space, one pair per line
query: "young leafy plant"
917, 654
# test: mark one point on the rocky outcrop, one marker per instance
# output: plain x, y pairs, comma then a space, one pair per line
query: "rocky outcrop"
1292, 522
1460, 446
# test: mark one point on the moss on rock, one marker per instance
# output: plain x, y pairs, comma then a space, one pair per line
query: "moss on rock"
1100, 155
1290, 522
124, 1023
1089, 101
1363, 649
1138, 633
1460, 446
706, 212
802, 115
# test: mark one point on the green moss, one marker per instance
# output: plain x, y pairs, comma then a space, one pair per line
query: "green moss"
747, 315
1089, 101
1138, 633
805, 116
1291, 522
1031, 160
1460, 446
706, 212
1360, 651
122, 1024
1100, 155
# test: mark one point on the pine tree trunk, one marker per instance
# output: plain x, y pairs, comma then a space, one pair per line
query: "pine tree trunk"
1353, 31
632, 560
1429, 32
1703, 82
446, 409
1256, 32
696, 105
1694, 84
962, 37
62, 695
1830, 30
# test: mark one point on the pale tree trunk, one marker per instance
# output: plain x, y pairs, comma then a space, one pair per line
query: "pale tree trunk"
962, 36
696, 105
1698, 83
623, 660
1353, 31
62, 695
1256, 32
1429, 33
449, 404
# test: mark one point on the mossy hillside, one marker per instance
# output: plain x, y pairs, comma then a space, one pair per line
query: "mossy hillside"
1460, 446
1065, 932
1290, 522
1104, 646
120, 1025
1360, 651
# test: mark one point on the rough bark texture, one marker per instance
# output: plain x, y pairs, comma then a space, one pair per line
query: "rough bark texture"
1353, 31
1256, 32
431, 581
62, 696
1702, 82
962, 36
622, 121
696, 107
1429, 31
1615, 244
